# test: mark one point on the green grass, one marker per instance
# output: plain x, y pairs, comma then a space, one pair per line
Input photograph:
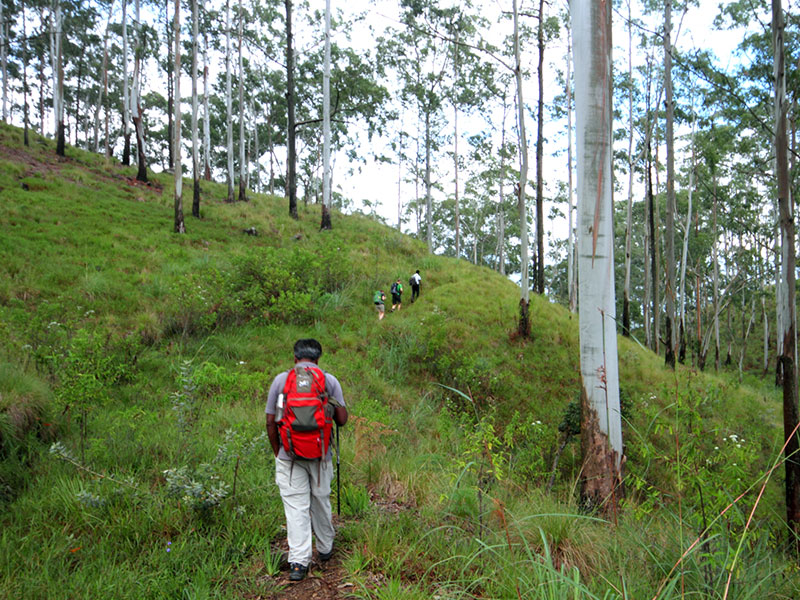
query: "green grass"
105, 316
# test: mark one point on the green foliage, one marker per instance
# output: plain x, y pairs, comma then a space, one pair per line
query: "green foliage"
355, 500
169, 344
201, 489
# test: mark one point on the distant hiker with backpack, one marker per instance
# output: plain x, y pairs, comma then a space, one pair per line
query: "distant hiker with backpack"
415, 280
397, 293
379, 298
302, 405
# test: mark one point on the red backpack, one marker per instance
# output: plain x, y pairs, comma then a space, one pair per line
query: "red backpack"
305, 427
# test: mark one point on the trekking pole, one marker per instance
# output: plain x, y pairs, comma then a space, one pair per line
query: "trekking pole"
338, 483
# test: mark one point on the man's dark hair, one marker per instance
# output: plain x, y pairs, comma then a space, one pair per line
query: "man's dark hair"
309, 349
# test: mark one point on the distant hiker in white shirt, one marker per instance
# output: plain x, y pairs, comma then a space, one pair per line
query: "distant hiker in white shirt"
415, 280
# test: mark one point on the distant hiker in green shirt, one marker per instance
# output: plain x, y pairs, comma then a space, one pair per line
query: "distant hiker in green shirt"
397, 291
379, 298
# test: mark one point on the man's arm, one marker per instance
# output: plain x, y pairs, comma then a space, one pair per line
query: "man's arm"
336, 398
272, 434
340, 415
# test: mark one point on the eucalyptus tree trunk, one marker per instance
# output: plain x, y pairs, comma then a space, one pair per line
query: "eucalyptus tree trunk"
715, 281
524, 326
4, 60
206, 114
195, 149
25, 116
41, 77
242, 140
126, 123
428, 198
170, 88
501, 209
417, 209
291, 154
791, 414
271, 151
671, 333
326, 127
746, 335
257, 186
400, 178
779, 305
56, 46
626, 293
179, 226
228, 101
685, 255
539, 275
572, 280
455, 150
455, 166
653, 252
136, 102
102, 93
601, 425
765, 321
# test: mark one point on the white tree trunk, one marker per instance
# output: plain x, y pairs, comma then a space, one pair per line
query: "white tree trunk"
136, 102
179, 223
626, 292
229, 99
669, 245
400, 178
766, 333
572, 280
523, 171
428, 198
715, 259
787, 359
326, 122
257, 154
242, 137
4, 60
206, 114
195, 149
501, 209
58, 75
125, 86
685, 251
103, 88
601, 427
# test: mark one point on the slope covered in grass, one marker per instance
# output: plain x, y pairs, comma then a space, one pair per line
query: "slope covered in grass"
145, 356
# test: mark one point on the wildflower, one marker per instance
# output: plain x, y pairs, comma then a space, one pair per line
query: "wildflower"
168, 546
716, 447
241, 362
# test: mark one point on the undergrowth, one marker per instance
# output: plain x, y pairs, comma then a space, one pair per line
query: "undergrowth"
133, 378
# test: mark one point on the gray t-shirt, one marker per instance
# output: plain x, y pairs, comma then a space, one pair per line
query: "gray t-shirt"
332, 387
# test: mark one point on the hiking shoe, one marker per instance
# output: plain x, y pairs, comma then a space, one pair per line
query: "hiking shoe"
297, 571
326, 556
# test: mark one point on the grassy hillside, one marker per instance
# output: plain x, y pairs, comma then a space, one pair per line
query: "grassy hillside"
133, 373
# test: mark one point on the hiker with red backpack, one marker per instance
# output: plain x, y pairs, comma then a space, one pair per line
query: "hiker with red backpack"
302, 405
